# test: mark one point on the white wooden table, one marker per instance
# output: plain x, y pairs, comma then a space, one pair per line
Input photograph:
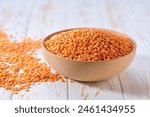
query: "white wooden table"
38, 18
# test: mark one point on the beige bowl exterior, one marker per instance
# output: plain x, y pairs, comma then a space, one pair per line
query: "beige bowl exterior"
87, 71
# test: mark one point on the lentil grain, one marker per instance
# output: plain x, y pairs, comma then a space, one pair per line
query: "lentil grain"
18, 66
89, 44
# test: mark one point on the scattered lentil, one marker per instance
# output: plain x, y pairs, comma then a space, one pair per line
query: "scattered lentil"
19, 68
89, 44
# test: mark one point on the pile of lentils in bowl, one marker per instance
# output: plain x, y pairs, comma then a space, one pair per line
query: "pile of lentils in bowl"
89, 44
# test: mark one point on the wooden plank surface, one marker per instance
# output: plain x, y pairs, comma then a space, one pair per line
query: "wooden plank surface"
13, 18
47, 20
37, 19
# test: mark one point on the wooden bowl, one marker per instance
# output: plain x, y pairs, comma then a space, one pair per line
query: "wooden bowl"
87, 71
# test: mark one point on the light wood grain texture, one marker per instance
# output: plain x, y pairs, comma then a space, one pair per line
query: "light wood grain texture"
41, 23
38, 19
133, 81
14, 20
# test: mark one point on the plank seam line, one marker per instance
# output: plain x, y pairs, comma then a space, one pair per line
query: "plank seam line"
68, 82
138, 21
26, 29
121, 86
29, 19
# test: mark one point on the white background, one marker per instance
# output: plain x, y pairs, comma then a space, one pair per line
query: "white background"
7, 108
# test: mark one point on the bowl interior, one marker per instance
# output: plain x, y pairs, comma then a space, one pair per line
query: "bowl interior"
118, 33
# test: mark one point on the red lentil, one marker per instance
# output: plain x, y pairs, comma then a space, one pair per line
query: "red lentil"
19, 68
88, 44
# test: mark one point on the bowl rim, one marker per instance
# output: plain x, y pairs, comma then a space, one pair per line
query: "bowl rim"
52, 34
